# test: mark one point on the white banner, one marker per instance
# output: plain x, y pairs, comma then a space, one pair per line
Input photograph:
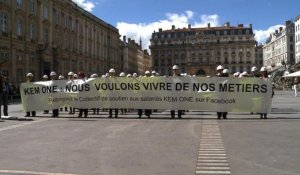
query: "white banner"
207, 94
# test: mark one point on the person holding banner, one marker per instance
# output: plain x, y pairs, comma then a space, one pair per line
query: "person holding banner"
45, 78
264, 76
71, 80
111, 73
55, 112
176, 73
85, 110
30, 80
221, 72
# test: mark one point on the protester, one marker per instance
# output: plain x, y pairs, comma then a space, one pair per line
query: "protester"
84, 111
264, 76
55, 112
176, 73
30, 80
111, 73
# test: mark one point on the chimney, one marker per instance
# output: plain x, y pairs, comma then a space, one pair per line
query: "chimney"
280, 29
189, 26
250, 26
124, 38
208, 25
160, 29
276, 31
227, 24
173, 27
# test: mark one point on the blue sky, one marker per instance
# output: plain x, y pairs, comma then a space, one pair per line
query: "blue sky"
139, 18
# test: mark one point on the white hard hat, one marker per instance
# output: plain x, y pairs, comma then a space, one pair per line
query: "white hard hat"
103, 76
220, 67
29, 75
75, 76
107, 74
61, 77
175, 67
122, 74
147, 72
134, 75
225, 71
263, 69
71, 74
153, 72
129, 75
253, 69
112, 70
45, 76
52, 73
244, 73
94, 76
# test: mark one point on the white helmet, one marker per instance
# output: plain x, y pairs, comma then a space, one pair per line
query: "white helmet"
103, 76
225, 71
175, 67
220, 67
122, 74
94, 76
263, 69
52, 73
29, 75
71, 74
134, 75
107, 74
75, 76
147, 72
61, 77
129, 75
253, 69
153, 72
112, 70
45, 76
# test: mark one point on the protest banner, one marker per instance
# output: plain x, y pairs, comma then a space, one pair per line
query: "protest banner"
185, 93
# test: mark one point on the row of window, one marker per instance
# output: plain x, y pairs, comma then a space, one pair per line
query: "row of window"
206, 32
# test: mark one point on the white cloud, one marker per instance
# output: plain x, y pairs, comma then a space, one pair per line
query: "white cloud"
86, 5
145, 30
262, 35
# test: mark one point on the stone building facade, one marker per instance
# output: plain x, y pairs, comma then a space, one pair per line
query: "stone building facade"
259, 59
133, 58
297, 40
39, 36
198, 51
280, 48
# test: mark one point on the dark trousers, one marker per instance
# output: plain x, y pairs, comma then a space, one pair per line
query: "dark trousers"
173, 113
222, 114
140, 112
55, 113
110, 112
33, 113
84, 111
4, 102
148, 112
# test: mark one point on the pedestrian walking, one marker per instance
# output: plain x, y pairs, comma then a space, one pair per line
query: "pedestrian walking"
296, 83
4, 91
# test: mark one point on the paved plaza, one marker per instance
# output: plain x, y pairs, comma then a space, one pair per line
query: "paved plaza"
243, 144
